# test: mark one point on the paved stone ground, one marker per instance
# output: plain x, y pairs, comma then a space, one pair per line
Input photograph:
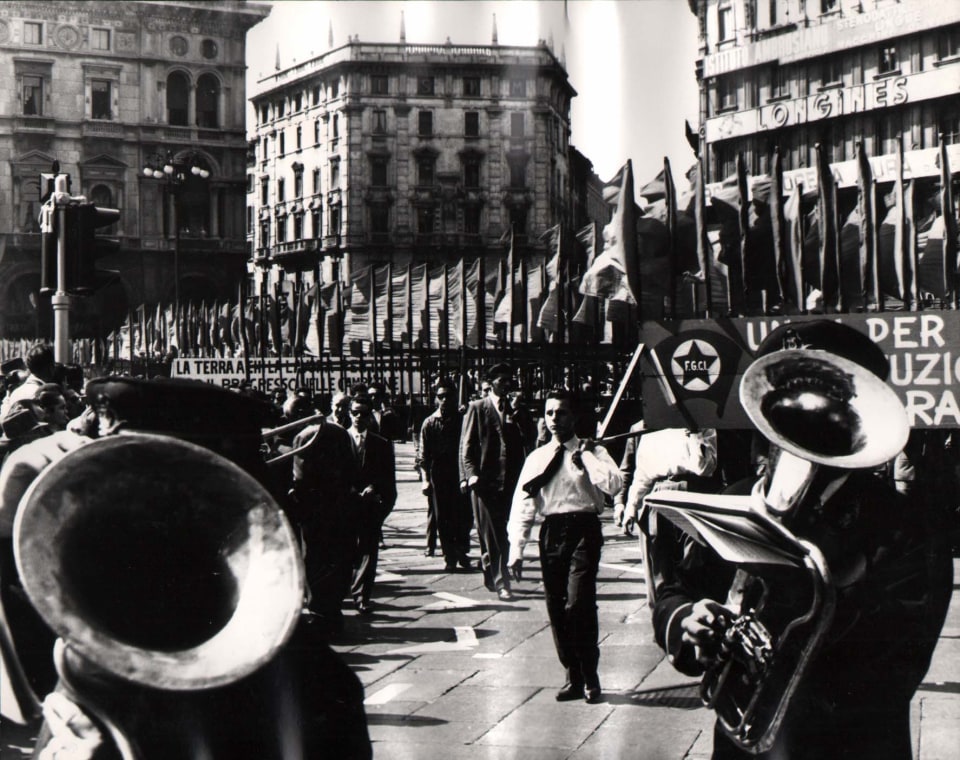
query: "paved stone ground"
452, 673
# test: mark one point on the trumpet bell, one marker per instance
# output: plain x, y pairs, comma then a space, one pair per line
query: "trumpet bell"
159, 561
824, 408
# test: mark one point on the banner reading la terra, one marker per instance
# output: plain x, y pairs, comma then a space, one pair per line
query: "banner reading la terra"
691, 369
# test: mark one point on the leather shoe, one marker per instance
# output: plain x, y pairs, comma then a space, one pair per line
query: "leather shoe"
429, 552
505, 595
467, 565
450, 567
569, 692
591, 694
364, 608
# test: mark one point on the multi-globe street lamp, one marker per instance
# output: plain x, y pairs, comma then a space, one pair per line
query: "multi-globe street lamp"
174, 171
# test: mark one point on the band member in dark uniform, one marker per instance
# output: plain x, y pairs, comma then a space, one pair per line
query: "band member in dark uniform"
439, 461
180, 629
492, 450
816, 391
566, 481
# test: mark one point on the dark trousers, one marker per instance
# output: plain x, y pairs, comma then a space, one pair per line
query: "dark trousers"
491, 509
329, 537
451, 514
432, 523
570, 559
371, 517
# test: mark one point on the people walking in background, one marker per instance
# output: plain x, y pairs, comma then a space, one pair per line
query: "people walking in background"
628, 463
41, 369
492, 449
450, 516
565, 481
377, 493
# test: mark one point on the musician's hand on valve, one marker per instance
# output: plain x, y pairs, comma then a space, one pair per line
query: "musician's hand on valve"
704, 627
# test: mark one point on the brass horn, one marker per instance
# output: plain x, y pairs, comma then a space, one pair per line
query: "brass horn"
159, 561
824, 408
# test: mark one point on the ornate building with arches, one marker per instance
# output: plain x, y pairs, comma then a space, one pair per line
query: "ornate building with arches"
108, 89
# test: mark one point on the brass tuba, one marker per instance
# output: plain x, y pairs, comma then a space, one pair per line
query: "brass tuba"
159, 562
824, 415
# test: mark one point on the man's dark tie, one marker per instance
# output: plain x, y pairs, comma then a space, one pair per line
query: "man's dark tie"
533, 486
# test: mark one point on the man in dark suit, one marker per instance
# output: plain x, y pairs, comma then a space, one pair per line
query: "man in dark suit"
492, 450
377, 486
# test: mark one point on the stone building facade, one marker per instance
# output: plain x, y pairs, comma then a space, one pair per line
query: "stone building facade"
107, 89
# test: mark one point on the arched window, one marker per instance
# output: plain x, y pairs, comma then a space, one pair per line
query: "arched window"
178, 96
208, 101
102, 197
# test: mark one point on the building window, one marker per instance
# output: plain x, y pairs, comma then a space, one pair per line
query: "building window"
516, 125
281, 228
471, 87
948, 43
281, 190
32, 96
518, 221
334, 226
471, 173
249, 183
264, 114
282, 145
772, 5
335, 88
208, 48
32, 33
266, 148
424, 85
334, 173
100, 99
178, 96
425, 171
316, 181
298, 182
378, 172
249, 220
299, 137
831, 71
425, 218
379, 84
725, 29
425, 123
298, 226
298, 102
379, 218
264, 191
315, 223
518, 174
829, 6
335, 127
471, 124
208, 101
100, 39
315, 96
726, 93
518, 88
379, 121
949, 126
281, 108
779, 82
264, 234
889, 63
471, 220
316, 132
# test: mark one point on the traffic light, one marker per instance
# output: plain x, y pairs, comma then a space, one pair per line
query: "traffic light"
84, 247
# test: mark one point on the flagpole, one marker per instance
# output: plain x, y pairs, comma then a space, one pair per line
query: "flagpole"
244, 342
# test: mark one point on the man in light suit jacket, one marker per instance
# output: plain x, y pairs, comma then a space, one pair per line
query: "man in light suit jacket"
377, 487
493, 446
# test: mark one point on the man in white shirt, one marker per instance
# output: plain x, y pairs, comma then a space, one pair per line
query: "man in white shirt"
565, 481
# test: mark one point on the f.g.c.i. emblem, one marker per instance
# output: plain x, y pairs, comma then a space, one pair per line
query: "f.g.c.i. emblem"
695, 365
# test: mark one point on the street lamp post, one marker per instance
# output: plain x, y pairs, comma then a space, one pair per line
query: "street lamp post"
174, 172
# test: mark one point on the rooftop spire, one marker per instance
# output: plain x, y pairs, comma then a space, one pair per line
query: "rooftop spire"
403, 30
276, 64
330, 35
493, 41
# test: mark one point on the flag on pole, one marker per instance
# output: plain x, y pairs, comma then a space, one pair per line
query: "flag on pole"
951, 244
549, 316
781, 264
829, 245
615, 273
793, 216
866, 206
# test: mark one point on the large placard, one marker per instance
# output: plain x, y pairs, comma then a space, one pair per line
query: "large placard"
691, 369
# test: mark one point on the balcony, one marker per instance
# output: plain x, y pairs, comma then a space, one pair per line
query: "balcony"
34, 124
297, 254
102, 129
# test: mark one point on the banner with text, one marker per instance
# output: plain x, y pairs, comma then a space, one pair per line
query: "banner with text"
267, 375
691, 369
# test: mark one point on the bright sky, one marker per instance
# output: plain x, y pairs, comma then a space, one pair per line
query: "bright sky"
630, 61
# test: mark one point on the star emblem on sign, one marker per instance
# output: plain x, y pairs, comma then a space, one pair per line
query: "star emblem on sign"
695, 365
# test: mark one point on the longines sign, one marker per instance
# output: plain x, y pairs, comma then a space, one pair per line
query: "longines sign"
847, 31
692, 368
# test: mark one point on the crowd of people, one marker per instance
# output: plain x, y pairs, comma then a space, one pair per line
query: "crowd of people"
492, 468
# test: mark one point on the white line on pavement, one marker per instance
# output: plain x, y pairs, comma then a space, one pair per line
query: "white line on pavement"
450, 601
623, 568
387, 693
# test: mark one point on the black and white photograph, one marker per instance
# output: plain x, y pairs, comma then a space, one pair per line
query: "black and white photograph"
479, 379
